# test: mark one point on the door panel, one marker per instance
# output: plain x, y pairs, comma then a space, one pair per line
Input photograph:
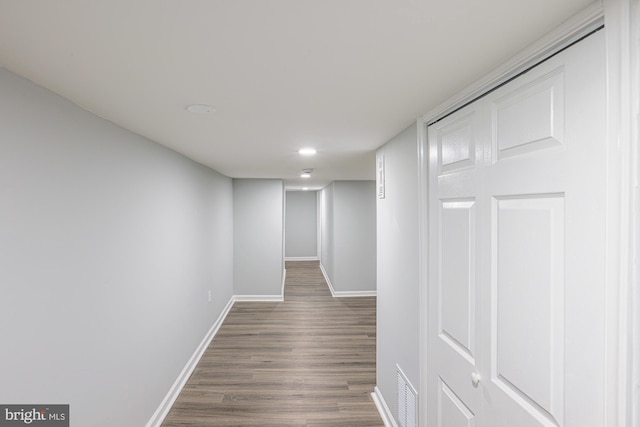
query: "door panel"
456, 143
528, 307
452, 411
457, 290
454, 319
531, 117
516, 251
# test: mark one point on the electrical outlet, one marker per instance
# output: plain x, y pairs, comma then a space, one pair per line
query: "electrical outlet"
209, 295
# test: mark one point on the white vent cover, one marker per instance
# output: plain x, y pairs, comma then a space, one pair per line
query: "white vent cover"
407, 401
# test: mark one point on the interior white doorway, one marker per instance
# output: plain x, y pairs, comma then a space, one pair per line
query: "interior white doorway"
517, 234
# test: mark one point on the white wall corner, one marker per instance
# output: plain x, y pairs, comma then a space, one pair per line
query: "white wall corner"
383, 409
176, 388
345, 294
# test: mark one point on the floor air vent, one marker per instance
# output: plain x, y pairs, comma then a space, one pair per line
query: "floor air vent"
407, 401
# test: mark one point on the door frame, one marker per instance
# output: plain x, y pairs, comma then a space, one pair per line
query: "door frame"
622, 302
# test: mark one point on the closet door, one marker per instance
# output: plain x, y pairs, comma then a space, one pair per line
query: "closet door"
455, 335
516, 251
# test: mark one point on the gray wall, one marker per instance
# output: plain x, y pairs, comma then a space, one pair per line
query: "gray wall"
398, 285
301, 225
109, 244
327, 250
349, 235
258, 247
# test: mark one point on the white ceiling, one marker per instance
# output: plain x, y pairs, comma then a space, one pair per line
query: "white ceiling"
343, 76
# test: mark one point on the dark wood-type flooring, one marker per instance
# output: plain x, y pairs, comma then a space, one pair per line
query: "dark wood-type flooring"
308, 361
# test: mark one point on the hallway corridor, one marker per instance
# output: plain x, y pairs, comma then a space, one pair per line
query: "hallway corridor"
307, 362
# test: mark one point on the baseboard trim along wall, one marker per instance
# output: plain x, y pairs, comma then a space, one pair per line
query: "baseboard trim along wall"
345, 294
165, 406
284, 279
327, 279
383, 409
353, 294
301, 258
258, 298
167, 403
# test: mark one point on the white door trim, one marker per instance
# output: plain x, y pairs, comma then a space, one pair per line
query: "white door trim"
633, 319
623, 274
423, 260
622, 304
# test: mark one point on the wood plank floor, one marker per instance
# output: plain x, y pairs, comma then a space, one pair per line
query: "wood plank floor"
308, 362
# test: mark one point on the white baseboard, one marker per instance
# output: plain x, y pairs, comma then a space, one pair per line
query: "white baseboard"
284, 279
383, 409
301, 258
327, 279
258, 298
344, 294
356, 294
165, 406
264, 298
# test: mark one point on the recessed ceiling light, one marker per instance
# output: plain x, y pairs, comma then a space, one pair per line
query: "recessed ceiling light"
201, 108
307, 151
305, 175
305, 188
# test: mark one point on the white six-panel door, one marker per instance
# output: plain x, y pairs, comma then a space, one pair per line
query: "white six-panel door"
516, 251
